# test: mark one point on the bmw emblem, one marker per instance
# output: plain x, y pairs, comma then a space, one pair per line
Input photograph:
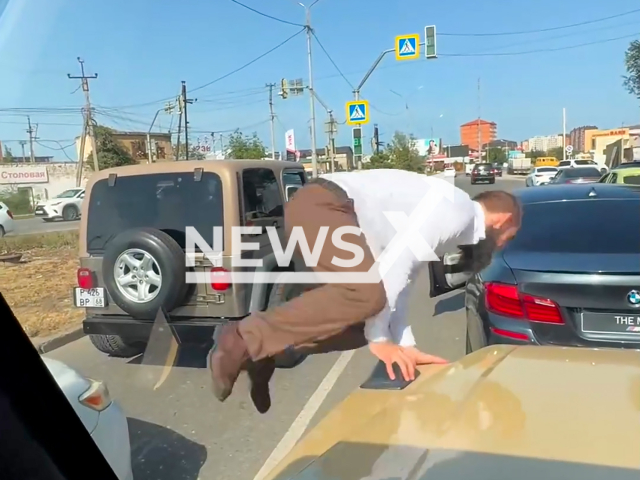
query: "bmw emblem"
633, 297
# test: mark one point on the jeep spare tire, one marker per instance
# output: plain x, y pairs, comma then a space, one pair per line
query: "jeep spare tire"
144, 269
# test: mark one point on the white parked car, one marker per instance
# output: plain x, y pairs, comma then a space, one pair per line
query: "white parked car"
6, 220
449, 172
540, 176
102, 417
66, 206
582, 163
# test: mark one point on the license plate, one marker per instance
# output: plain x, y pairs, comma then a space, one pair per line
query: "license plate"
90, 298
618, 323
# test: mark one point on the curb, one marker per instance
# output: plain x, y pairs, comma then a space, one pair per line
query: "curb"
54, 342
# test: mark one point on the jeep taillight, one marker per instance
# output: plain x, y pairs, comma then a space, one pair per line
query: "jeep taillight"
220, 279
85, 278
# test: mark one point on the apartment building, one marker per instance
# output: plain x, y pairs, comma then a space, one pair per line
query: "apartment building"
478, 132
578, 138
544, 143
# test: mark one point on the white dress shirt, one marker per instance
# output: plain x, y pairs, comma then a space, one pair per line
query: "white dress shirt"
455, 220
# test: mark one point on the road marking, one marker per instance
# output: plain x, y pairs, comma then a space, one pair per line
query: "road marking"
300, 424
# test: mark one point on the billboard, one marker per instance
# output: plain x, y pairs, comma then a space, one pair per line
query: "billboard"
13, 175
290, 142
432, 146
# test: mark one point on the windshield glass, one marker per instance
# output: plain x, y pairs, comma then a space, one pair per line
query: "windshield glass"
585, 162
68, 194
546, 170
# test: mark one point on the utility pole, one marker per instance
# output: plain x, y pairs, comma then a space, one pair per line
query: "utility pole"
271, 86
479, 131
185, 101
564, 134
180, 110
32, 137
88, 120
312, 101
332, 129
23, 143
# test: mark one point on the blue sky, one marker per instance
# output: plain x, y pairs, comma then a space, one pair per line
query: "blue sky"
142, 49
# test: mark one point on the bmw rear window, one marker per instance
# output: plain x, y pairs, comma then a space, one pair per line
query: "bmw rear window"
167, 201
582, 172
582, 226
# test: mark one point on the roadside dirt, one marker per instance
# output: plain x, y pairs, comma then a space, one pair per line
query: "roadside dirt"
39, 290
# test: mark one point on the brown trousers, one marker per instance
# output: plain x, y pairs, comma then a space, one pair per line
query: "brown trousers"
330, 317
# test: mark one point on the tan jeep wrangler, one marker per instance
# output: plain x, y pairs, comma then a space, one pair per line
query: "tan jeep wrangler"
132, 248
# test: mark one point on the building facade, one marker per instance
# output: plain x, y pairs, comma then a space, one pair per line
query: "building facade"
478, 132
577, 138
137, 144
544, 143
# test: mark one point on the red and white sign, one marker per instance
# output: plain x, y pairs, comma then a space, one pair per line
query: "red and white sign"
17, 175
290, 141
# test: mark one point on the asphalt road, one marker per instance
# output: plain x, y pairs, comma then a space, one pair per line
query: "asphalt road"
179, 431
28, 226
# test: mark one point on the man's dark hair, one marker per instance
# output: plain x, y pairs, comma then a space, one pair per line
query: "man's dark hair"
499, 201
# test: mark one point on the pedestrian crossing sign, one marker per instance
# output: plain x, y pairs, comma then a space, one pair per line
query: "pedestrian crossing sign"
357, 112
407, 47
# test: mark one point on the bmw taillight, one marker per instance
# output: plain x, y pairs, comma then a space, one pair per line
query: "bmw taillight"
220, 279
508, 301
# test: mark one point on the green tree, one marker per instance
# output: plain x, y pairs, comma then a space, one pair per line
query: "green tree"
403, 153
533, 154
245, 147
555, 152
496, 155
110, 152
632, 63
378, 160
194, 154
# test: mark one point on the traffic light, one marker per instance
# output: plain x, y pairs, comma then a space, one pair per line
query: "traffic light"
284, 88
357, 141
430, 41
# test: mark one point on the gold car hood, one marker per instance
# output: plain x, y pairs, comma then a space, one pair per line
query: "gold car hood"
563, 405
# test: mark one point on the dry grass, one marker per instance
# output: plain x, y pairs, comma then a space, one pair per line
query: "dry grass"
39, 289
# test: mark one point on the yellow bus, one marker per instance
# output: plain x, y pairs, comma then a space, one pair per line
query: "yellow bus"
546, 162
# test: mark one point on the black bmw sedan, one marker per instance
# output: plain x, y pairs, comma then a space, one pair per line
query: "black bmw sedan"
570, 277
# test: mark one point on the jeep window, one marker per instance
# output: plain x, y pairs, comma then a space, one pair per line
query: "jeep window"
167, 201
293, 177
262, 198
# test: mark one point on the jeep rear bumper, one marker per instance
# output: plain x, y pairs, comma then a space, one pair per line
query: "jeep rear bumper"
186, 330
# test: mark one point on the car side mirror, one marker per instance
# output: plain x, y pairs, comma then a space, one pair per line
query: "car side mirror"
290, 190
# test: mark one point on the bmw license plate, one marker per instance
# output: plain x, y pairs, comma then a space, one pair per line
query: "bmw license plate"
612, 323
89, 297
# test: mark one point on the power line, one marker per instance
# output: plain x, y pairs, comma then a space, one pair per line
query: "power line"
331, 60
505, 54
541, 30
267, 16
260, 57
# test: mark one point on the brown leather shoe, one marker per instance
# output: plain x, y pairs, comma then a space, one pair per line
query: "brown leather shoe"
260, 374
228, 357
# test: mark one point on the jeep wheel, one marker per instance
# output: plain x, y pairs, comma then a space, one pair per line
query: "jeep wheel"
144, 271
116, 346
69, 213
281, 293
